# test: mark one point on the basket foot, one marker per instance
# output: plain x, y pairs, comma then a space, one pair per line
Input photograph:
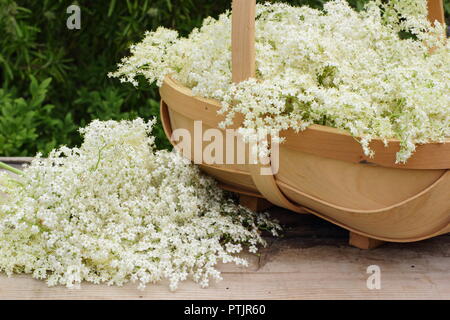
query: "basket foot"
254, 203
362, 242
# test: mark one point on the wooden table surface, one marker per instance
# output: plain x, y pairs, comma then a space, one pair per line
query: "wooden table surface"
311, 261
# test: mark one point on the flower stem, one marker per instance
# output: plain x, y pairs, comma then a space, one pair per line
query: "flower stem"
10, 169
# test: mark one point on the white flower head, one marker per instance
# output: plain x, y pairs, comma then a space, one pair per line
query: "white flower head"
338, 67
116, 210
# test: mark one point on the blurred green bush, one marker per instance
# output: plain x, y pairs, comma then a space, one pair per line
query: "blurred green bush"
54, 80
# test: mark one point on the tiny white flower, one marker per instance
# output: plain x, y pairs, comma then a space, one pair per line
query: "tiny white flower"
339, 68
115, 210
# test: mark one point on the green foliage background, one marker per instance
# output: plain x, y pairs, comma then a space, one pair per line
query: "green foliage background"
54, 80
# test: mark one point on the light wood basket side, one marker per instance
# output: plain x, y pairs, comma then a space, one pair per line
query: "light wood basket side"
243, 67
436, 11
418, 216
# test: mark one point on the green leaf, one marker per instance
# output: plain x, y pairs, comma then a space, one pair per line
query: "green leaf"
112, 4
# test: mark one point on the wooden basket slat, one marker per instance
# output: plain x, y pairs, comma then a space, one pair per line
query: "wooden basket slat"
420, 215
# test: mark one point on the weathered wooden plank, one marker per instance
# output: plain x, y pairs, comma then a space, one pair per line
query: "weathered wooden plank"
311, 261
295, 268
331, 284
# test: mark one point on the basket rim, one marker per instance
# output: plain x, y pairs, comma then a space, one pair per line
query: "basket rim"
317, 127
433, 155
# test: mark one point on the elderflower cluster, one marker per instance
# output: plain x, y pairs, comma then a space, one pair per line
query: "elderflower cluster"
337, 67
114, 210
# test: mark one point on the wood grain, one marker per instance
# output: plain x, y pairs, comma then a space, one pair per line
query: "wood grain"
424, 216
243, 39
324, 170
436, 11
255, 204
363, 242
378, 202
290, 268
318, 140
311, 261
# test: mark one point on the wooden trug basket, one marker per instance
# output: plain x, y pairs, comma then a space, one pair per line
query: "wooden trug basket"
323, 170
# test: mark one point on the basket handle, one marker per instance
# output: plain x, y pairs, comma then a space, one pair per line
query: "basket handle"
243, 35
436, 11
243, 39
244, 67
